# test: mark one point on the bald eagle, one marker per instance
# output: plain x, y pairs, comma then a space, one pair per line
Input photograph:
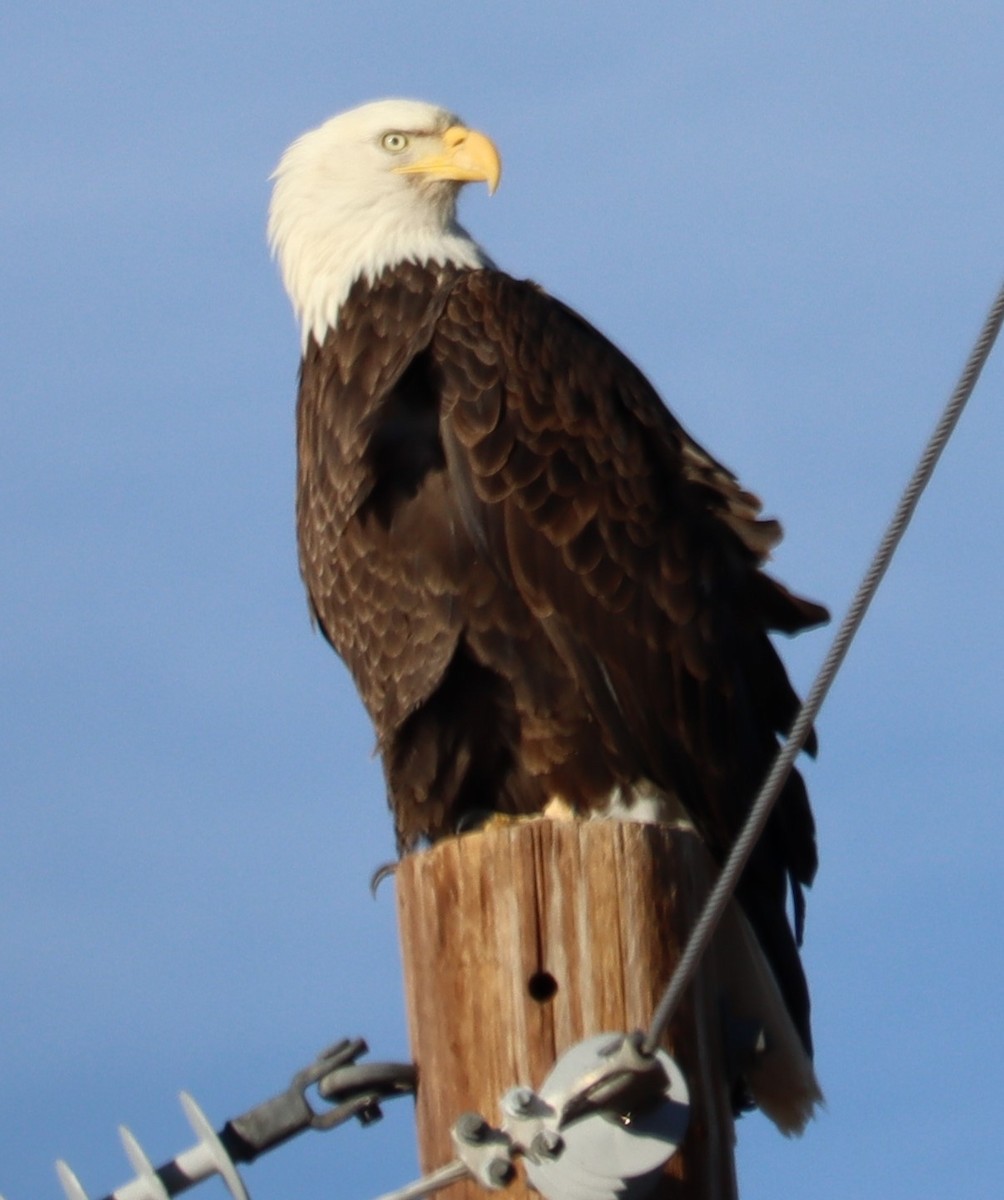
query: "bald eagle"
543, 586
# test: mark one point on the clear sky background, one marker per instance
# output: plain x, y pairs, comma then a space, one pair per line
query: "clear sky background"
792, 217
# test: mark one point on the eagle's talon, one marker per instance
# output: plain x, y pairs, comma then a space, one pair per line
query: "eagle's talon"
384, 871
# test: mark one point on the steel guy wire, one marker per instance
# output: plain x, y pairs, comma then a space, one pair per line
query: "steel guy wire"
720, 895
442, 1177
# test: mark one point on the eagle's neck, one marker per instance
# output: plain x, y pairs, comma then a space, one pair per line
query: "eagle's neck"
323, 251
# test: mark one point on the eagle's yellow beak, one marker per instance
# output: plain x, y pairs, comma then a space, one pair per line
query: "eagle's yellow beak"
466, 156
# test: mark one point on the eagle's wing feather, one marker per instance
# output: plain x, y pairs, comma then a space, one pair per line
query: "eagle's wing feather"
636, 550
368, 440
468, 699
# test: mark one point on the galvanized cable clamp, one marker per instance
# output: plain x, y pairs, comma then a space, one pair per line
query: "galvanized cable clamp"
620, 1115
603, 1125
353, 1090
486, 1152
624, 1078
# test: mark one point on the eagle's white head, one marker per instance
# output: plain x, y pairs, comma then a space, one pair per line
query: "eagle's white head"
368, 189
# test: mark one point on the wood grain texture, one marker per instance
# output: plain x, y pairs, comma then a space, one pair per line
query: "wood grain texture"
603, 907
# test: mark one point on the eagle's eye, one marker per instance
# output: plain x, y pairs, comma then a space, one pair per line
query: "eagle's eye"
394, 142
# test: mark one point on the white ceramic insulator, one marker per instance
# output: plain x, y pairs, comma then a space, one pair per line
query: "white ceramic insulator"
150, 1185
211, 1147
71, 1184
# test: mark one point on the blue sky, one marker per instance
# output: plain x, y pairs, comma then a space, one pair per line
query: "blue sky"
791, 217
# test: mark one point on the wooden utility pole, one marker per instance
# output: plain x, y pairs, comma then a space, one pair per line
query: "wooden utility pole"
522, 940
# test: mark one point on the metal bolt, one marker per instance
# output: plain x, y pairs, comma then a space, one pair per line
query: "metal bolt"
611, 1048
499, 1172
471, 1128
547, 1144
518, 1102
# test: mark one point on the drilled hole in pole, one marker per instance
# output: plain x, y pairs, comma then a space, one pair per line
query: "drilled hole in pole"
542, 986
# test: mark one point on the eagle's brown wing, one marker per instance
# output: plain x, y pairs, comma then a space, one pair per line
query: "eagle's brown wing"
473, 709
639, 554
382, 592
